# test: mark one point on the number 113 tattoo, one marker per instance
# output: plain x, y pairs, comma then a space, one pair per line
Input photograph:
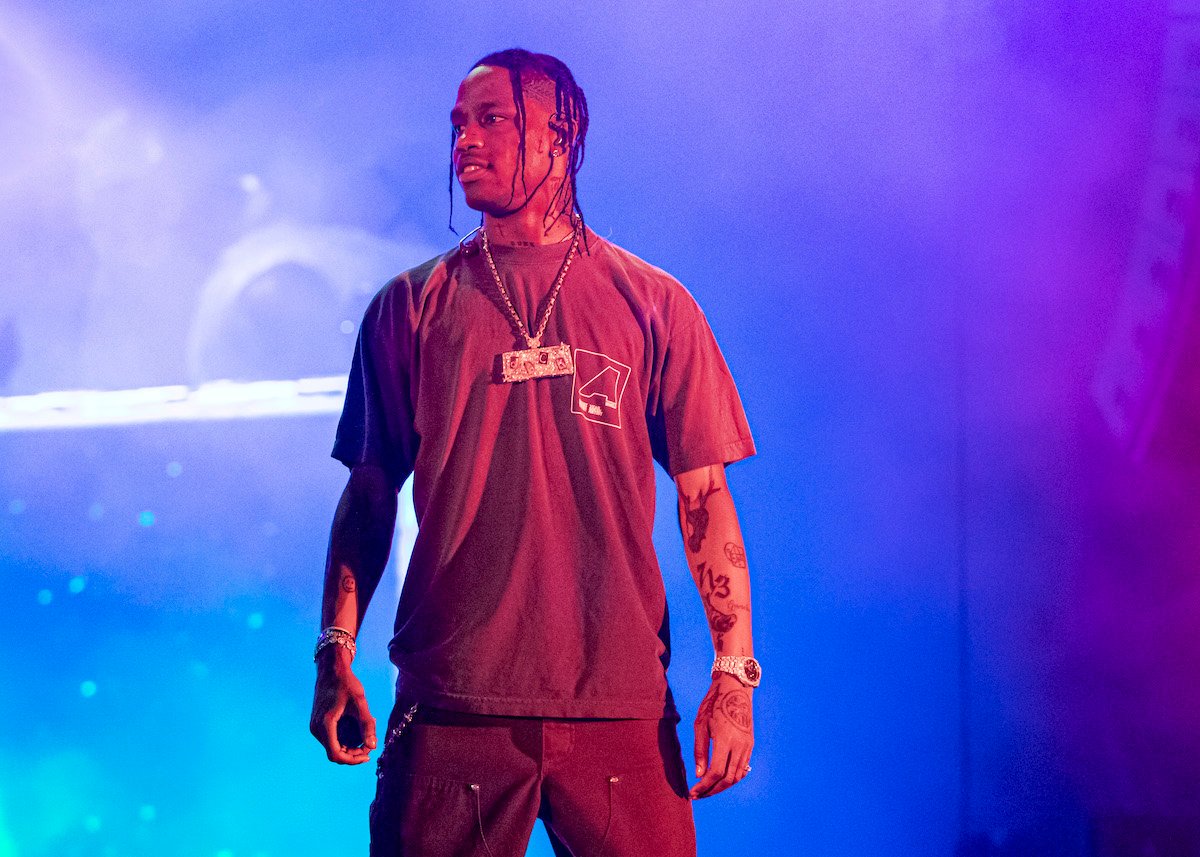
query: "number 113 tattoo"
712, 587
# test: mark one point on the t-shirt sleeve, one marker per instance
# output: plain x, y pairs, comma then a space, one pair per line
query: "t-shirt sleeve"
376, 426
696, 418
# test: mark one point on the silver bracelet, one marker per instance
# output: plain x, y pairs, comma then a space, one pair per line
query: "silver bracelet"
335, 636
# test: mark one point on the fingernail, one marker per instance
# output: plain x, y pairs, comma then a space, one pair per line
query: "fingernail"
699, 770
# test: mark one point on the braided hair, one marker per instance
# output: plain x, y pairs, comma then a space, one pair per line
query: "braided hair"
537, 73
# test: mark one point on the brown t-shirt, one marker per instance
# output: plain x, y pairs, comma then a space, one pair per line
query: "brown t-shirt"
533, 588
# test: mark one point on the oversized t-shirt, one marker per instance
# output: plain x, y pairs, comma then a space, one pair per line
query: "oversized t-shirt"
533, 587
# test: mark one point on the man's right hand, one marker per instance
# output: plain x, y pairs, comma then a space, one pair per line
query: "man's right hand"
339, 692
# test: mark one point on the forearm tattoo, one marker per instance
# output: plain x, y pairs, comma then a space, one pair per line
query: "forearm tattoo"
696, 516
712, 587
349, 584
735, 554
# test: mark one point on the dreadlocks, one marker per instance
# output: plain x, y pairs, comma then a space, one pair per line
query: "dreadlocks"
537, 73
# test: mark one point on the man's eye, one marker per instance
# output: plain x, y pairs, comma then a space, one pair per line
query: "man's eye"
494, 118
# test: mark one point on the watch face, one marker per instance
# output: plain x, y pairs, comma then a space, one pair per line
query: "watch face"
753, 672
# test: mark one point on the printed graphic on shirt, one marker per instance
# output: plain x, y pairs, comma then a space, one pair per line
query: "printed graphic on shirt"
599, 385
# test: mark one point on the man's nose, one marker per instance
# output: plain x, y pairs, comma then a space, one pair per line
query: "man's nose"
468, 138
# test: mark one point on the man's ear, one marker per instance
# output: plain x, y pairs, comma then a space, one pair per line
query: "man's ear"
558, 124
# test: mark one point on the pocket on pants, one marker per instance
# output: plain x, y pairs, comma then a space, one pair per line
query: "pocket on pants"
646, 816
422, 816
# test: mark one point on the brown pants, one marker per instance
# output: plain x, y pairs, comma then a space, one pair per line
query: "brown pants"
454, 784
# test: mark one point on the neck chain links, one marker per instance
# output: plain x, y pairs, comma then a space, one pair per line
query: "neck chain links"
534, 341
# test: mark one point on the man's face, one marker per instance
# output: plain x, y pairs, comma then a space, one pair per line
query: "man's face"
486, 148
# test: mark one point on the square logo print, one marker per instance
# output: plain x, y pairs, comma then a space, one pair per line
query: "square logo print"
600, 385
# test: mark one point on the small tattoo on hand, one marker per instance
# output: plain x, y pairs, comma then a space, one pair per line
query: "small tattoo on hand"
736, 706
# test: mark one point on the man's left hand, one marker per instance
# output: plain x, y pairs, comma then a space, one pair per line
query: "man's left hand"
726, 721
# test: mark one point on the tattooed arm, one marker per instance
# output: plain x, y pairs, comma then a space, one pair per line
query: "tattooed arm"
358, 551
713, 544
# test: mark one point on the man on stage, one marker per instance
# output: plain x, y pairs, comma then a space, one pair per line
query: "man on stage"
529, 379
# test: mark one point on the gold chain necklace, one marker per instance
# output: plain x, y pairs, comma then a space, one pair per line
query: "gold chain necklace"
534, 361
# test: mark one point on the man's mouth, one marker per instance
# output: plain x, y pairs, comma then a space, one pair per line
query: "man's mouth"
470, 168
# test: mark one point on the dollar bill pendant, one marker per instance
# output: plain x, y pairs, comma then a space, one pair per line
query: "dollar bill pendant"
536, 362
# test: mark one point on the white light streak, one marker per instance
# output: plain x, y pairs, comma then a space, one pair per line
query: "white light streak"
217, 400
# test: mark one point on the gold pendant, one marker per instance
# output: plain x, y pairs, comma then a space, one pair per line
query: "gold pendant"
535, 362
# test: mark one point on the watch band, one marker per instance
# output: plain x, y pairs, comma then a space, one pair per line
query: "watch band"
745, 669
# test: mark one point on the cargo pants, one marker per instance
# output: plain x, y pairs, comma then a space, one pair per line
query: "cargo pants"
452, 784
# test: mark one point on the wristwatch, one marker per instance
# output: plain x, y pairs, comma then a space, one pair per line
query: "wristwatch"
745, 670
